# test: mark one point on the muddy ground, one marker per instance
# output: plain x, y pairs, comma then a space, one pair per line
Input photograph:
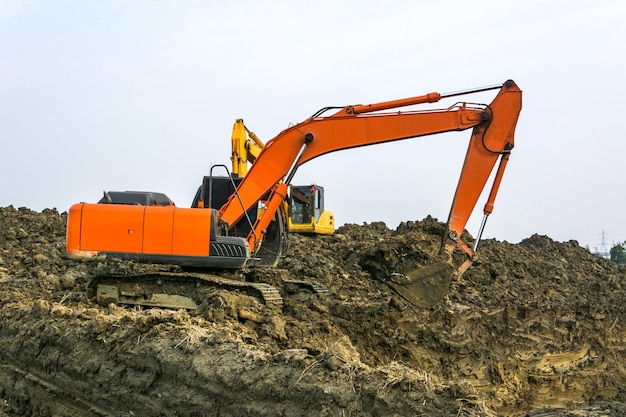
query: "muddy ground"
536, 328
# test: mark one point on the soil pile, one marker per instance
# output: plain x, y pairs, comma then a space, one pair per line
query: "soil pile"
535, 328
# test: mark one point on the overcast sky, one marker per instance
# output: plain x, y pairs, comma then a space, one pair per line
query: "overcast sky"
142, 95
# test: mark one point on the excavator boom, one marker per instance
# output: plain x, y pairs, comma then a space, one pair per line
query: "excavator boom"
355, 126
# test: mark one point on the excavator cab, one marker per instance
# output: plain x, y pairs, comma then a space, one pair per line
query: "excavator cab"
306, 210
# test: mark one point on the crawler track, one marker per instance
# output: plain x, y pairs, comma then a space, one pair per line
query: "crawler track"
316, 287
175, 290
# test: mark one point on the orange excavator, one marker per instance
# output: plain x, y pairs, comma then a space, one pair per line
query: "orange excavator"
207, 237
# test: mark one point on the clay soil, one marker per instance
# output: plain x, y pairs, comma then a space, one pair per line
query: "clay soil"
536, 328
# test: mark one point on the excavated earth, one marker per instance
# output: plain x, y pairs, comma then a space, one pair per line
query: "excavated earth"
536, 328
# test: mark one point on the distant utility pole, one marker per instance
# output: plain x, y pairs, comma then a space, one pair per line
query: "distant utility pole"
603, 249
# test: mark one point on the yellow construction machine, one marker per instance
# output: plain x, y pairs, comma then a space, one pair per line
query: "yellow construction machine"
303, 209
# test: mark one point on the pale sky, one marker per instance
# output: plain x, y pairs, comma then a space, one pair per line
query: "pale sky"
142, 95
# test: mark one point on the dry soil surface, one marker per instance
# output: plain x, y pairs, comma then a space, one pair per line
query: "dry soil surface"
536, 328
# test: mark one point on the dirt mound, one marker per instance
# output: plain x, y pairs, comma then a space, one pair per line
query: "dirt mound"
535, 328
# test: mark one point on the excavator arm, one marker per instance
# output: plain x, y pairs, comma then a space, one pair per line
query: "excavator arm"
354, 126
246, 147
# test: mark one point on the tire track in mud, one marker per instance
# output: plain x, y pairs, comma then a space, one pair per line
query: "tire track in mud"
63, 400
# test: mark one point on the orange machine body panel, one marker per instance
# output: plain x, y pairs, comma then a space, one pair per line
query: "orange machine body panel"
158, 229
191, 232
95, 228
118, 229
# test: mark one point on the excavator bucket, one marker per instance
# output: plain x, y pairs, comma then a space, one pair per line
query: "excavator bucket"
406, 264
425, 286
